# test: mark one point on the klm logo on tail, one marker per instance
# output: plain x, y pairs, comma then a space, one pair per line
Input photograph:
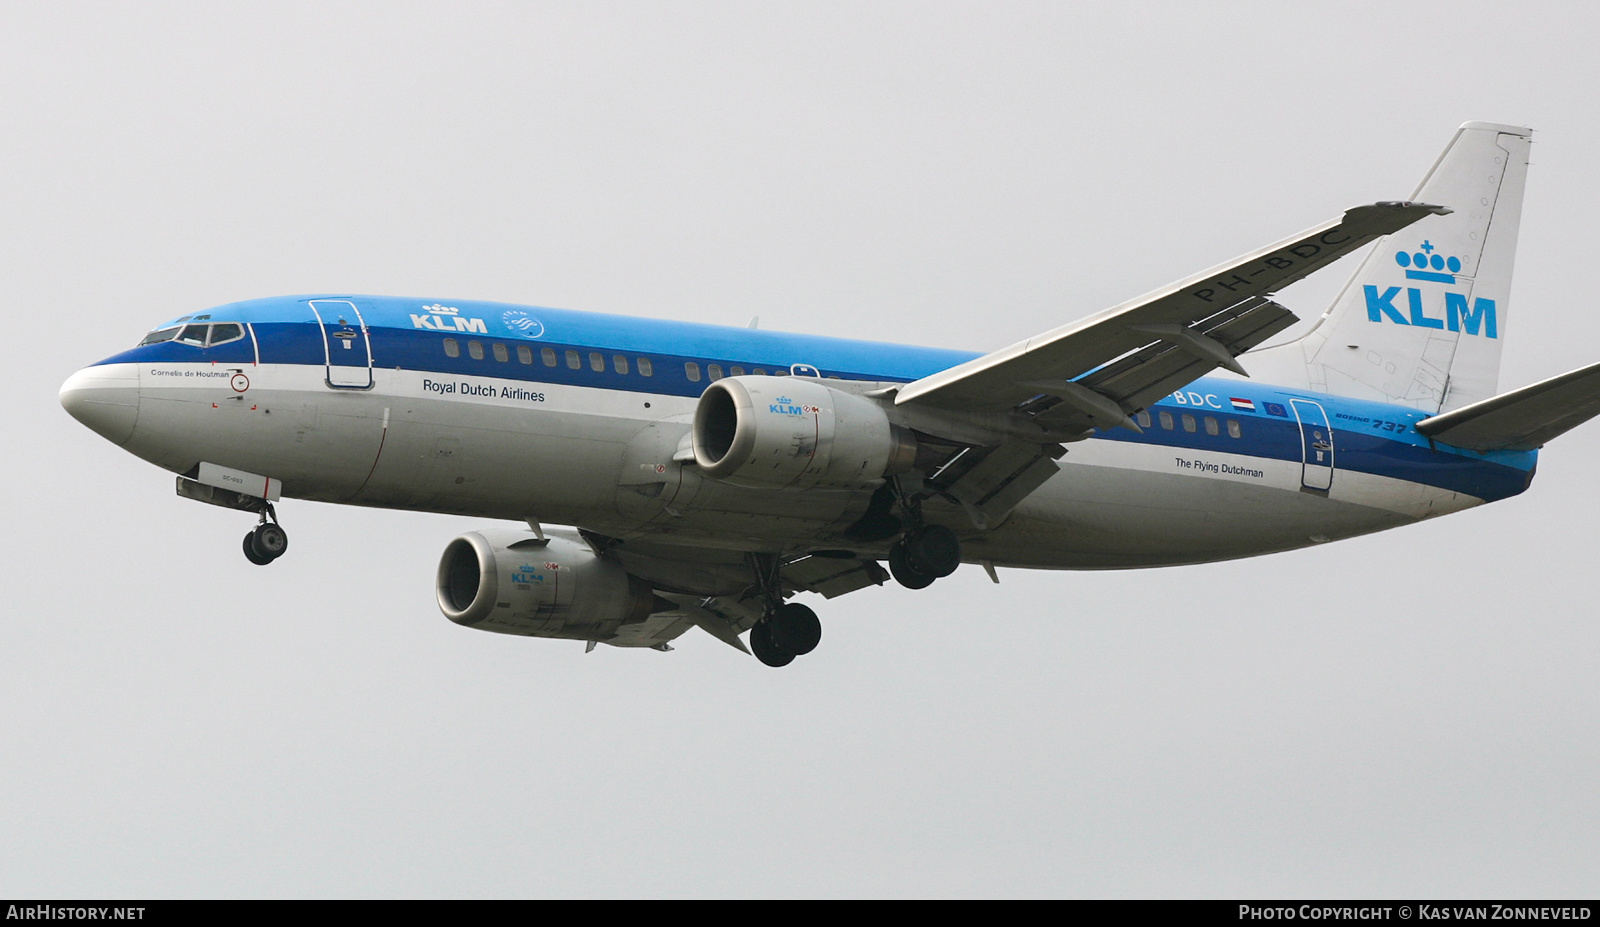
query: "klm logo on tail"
1433, 268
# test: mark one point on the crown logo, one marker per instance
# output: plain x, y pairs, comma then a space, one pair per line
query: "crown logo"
1429, 266
437, 309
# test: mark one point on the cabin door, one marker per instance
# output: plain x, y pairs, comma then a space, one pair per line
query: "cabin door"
345, 343
1316, 446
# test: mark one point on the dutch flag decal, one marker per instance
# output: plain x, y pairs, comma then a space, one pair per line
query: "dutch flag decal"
1242, 405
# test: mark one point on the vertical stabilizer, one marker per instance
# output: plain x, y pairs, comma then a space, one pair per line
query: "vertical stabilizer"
1422, 321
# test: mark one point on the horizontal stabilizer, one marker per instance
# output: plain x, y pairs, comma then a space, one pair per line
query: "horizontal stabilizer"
1522, 419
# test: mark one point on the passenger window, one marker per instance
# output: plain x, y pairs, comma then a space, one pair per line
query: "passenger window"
645, 369
1233, 429
524, 354
224, 332
452, 348
735, 371
1142, 419
692, 371
619, 364
574, 362
714, 371
194, 334
549, 355
475, 348
1166, 420
1188, 423
1211, 426
759, 372
500, 352
596, 362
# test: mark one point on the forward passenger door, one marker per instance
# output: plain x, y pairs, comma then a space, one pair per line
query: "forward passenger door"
346, 344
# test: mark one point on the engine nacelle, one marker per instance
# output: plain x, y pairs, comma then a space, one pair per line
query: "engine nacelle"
794, 433
510, 582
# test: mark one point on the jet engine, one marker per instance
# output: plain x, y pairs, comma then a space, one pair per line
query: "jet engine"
792, 433
510, 582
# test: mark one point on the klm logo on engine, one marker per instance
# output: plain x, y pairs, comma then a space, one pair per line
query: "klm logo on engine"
784, 406
1455, 314
437, 318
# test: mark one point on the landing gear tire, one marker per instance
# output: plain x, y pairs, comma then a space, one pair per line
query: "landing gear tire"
904, 572
795, 628
766, 649
265, 544
924, 555
250, 551
934, 550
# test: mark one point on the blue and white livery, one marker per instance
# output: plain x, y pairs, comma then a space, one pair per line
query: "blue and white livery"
714, 473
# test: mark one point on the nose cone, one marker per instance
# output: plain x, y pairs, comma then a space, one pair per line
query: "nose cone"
106, 398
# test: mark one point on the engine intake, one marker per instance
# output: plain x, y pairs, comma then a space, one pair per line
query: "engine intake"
793, 433
507, 581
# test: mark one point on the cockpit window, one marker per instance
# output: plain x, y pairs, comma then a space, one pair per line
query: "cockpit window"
197, 335
223, 332
159, 335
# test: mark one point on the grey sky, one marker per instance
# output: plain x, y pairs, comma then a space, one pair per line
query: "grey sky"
1409, 714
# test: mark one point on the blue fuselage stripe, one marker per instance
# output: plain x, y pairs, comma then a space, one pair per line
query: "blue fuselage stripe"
1368, 437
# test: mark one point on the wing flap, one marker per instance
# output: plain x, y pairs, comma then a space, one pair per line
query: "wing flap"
723, 619
1003, 379
1139, 379
1000, 478
714, 589
1523, 419
832, 576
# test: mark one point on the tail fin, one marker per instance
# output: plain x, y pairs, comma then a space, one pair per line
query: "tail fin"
1422, 321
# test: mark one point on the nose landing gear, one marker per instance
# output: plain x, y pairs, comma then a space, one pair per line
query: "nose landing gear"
268, 541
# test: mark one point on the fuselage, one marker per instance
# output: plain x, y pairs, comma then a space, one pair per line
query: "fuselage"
518, 412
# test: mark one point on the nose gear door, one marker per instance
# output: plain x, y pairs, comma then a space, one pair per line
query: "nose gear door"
345, 342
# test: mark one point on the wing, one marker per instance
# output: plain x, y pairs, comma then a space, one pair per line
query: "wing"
1094, 372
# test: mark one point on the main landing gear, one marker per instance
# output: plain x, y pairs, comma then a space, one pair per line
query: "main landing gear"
923, 555
924, 552
268, 541
787, 630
